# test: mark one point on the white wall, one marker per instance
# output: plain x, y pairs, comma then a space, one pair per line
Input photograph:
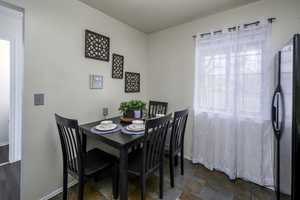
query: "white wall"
171, 51
55, 65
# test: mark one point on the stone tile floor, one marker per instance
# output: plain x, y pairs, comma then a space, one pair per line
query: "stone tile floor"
198, 183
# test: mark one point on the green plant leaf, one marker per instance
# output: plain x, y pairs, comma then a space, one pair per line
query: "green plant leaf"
127, 106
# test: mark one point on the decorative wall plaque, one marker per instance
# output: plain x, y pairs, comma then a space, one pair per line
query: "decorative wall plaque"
96, 81
117, 66
132, 82
96, 46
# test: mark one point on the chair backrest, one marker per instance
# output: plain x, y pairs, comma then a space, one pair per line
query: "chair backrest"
156, 107
154, 142
70, 143
178, 130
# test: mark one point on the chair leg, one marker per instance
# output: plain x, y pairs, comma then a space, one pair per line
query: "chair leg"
171, 164
161, 181
65, 184
176, 160
81, 188
96, 178
182, 162
115, 181
143, 187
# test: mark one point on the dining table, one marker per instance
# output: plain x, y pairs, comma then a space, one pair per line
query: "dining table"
119, 141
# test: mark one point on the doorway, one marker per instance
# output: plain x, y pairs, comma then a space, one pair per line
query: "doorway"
11, 82
11, 87
5, 49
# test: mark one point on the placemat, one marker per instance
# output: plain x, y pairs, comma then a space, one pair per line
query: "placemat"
118, 128
124, 130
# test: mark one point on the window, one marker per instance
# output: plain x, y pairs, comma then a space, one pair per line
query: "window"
230, 75
232, 103
249, 76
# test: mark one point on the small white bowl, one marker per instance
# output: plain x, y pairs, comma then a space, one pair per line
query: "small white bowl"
106, 122
137, 122
159, 115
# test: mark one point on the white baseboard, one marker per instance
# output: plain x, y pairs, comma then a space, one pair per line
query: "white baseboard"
2, 164
57, 191
4, 144
187, 157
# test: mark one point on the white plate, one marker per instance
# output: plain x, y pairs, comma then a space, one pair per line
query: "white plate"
106, 127
135, 127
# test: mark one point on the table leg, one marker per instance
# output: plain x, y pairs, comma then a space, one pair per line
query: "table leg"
123, 174
83, 142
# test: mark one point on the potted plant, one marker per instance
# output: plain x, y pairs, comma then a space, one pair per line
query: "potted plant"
130, 109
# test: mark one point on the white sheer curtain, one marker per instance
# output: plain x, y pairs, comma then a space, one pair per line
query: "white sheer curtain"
233, 85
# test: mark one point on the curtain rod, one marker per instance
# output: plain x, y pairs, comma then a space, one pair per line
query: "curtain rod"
271, 20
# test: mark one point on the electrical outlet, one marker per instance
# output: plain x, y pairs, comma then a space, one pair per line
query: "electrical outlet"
105, 112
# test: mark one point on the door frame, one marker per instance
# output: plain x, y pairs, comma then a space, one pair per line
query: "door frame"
16, 88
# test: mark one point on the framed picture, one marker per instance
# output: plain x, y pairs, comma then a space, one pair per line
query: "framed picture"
97, 46
117, 66
96, 81
132, 82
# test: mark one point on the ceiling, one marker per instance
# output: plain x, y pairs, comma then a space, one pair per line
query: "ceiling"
153, 15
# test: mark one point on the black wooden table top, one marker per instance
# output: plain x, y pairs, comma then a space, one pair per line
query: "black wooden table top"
116, 139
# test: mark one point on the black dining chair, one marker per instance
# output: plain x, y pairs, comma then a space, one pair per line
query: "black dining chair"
78, 163
149, 158
157, 107
176, 144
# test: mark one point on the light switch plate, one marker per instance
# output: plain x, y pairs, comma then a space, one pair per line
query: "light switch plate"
39, 99
96, 81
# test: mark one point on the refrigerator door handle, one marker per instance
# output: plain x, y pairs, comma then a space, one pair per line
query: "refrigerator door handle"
274, 114
274, 110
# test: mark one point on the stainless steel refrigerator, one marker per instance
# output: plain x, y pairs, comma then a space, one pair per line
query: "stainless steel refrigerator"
286, 120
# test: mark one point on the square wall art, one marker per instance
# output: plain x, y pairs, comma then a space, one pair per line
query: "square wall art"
96, 46
132, 82
117, 66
